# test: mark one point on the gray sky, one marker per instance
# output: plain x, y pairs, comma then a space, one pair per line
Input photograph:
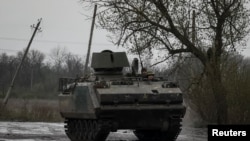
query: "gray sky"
63, 25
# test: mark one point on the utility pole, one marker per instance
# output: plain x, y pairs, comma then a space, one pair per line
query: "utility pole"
90, 42
19, 66
193, 28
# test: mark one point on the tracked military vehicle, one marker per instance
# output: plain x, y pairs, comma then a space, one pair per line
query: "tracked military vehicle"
109, 100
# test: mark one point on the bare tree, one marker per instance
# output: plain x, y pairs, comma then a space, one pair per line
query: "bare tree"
167, 24
36, 61
74, 65
57, 56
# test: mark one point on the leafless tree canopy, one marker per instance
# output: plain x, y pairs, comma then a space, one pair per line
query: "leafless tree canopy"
219, 24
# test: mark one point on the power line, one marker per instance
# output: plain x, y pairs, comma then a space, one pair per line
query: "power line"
52, 41
12, 50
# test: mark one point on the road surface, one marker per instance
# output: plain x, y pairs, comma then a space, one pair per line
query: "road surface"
39, 131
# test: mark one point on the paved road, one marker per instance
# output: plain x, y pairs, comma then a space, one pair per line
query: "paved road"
38, 131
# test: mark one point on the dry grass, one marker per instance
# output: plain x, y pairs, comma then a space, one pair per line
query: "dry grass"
31, 110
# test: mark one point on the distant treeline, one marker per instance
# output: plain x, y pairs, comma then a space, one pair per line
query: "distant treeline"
38, 78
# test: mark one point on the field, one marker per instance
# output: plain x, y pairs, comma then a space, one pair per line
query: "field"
31, 110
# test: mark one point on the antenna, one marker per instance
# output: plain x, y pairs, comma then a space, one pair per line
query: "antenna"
90, 42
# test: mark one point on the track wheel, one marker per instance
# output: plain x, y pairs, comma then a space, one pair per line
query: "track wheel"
86, 130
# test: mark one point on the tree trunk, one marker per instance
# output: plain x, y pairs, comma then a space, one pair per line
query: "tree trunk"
219, 92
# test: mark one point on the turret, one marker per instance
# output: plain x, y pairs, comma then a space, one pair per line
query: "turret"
109, 63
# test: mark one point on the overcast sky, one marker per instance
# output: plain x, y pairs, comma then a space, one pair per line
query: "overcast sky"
63, 24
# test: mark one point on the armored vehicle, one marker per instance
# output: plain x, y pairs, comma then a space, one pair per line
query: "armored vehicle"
109, 100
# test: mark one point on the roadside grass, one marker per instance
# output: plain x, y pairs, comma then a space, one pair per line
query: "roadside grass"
34, 110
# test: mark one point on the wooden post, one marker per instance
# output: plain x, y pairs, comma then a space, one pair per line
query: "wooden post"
5, 101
